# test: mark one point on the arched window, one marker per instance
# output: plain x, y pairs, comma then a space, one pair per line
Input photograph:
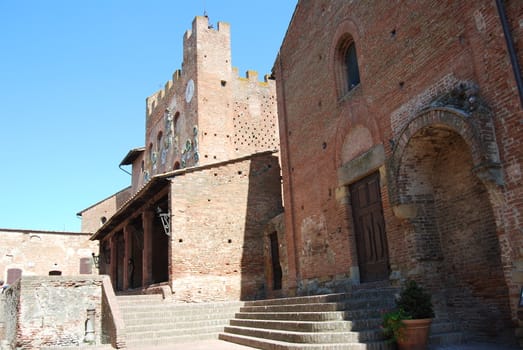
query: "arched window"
348, 73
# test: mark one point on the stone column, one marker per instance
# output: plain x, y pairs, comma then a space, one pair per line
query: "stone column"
147, 272
127, 236
113, 268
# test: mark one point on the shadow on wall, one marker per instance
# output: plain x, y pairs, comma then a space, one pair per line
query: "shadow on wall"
263, 204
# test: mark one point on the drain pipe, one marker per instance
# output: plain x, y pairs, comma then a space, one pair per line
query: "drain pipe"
511, 49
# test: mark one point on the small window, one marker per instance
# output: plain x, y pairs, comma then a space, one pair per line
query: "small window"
86, 267
175, 123
103, 220
159, 142
13, 275
151, 152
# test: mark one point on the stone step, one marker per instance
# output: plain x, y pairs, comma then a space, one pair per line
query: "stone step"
443, 326
328, 298
175, 316
181, 307
298, 316
446, 338
150, 335
374, 304
353, 315
306, 337
308, 326
159, 318
144, 327
270, 344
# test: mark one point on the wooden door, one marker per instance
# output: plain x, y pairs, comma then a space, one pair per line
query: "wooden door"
369, 227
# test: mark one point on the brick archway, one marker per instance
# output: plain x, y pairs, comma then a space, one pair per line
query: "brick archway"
476, 129
441, 172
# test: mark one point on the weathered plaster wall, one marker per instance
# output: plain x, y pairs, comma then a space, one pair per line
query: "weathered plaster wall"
37, 252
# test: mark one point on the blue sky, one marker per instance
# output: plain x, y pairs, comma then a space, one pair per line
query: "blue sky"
74, 75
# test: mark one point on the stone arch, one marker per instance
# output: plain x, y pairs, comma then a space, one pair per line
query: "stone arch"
444, 165
476, 129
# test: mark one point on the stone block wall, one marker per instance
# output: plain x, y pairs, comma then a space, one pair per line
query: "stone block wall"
52, 311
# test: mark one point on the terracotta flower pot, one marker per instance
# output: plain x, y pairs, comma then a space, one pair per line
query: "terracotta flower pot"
415, 334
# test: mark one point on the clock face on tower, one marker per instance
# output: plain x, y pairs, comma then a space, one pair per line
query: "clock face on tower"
189, 91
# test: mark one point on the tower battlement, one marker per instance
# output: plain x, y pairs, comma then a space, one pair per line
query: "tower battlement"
201, 24
159, 97
251, 76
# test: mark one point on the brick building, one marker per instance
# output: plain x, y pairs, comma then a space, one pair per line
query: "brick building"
401, 143
204, 186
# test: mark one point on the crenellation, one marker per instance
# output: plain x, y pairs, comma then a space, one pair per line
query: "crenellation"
252, 76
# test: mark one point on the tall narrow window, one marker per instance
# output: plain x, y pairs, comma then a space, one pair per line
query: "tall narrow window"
347, 70
351, 66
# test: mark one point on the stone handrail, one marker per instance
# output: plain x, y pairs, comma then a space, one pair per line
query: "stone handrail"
113, 326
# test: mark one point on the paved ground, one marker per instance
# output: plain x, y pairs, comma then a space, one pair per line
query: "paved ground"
475, 346
200, 345
223, 345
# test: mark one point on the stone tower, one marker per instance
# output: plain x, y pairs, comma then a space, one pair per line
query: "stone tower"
207, 113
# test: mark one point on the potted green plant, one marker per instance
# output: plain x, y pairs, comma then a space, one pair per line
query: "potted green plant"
409, 323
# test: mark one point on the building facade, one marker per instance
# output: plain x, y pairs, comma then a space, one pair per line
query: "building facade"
401, 145
204, 186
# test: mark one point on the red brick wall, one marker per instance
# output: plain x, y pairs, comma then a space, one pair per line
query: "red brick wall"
92, 217
218, 217
409, 55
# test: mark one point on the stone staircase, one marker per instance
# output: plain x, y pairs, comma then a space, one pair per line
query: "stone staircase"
151, 320
346, 321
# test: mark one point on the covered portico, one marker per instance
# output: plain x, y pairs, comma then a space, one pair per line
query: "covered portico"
134, 243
